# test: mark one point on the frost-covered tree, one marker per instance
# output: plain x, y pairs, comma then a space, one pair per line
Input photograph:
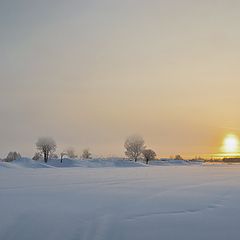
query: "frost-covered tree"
12, 156
86, 154
134, 146
46, 146
148, 155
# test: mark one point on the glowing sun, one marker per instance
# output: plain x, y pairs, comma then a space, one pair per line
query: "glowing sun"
231, 144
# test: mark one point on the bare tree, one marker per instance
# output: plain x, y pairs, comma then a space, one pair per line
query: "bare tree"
12, 156
46, 146
71, 153
86, 154
134, 146
148, 155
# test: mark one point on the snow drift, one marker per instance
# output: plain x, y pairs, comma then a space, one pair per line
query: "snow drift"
91, 163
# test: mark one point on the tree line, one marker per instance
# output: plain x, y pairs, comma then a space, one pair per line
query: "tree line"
46, 148
134, 145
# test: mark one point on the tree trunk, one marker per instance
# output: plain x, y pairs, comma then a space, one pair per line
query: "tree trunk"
45, 157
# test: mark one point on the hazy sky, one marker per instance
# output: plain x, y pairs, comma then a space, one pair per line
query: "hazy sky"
90, 73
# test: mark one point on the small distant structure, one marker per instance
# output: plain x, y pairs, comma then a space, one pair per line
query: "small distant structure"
232, 160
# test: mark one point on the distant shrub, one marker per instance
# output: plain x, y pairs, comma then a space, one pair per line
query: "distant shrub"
53, 156
178, 157
71, 153
37, 156
86, 154
12, 156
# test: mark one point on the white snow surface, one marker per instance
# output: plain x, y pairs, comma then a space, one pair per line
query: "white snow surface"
118, 200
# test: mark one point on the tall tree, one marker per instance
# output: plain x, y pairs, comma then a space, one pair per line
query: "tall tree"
46, 146
134, 146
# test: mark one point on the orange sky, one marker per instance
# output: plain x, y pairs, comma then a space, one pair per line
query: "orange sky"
90, 73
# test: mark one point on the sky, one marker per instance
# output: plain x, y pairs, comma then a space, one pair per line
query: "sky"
90, 73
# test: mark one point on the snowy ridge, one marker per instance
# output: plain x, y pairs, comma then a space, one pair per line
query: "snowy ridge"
91, 163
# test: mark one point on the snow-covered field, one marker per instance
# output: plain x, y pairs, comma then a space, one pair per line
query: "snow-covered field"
118, 201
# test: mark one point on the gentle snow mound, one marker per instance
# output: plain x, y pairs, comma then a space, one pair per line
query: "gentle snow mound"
68, 163
91, 163
26, 163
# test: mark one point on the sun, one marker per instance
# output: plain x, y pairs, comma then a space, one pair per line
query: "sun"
231, 144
